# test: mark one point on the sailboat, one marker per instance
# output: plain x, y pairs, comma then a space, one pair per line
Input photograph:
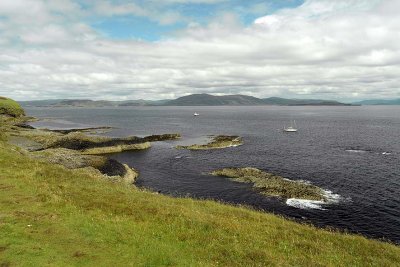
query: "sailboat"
292, 128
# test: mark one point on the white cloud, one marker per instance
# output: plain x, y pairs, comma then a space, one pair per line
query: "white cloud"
108, 8
331, 49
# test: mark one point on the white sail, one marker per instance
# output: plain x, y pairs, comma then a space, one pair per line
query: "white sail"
292, 128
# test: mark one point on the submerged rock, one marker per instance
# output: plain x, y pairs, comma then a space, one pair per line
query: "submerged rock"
273, 185
83, 130
161, 137
217, 142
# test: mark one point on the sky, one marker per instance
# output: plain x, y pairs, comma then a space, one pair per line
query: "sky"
345, 50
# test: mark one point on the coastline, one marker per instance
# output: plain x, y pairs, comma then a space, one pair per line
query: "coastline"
75, 149
52, 197
95, 214
189, 178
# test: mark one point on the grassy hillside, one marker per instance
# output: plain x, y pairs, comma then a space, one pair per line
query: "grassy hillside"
51, 216
10, 107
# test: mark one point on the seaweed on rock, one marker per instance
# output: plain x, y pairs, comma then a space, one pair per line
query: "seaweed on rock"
273, 185
80, 141
217, 142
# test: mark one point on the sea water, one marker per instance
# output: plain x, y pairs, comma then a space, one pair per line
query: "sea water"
351, 152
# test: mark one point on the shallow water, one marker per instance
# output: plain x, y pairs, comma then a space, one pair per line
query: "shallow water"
351, 151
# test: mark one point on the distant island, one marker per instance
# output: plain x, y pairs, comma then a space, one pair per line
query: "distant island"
89, 103
203, 100
189, 100
377, 102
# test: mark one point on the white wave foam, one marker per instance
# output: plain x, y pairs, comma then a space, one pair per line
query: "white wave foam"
305, 204
331, 198
233, 146
356, 151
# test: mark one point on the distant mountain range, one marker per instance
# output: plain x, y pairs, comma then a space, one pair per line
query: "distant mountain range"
302, 102
379, 102
212, 100
244, 100
202, 100
89, 103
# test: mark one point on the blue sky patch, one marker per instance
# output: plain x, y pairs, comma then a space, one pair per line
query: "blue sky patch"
149, 22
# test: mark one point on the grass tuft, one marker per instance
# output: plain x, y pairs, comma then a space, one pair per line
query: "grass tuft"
10, 107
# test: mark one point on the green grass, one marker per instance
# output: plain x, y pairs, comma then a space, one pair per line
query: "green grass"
10, 107
51, 216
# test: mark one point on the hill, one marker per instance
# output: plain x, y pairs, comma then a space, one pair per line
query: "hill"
301, 102
379, 102
142, 102
84, 103
40, 103
189, 100
89, 103
10, 108
211, 100
243, 100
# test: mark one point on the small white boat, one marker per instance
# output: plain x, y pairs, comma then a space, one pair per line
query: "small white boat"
196, 114
292, 128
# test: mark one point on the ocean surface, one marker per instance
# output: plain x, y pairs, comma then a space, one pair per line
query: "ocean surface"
351, 152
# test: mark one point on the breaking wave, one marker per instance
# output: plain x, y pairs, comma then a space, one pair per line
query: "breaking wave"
305, 204
331, 198
356, 151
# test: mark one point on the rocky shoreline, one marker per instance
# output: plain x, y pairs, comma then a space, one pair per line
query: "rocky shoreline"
73, 149
78, 149
82, 149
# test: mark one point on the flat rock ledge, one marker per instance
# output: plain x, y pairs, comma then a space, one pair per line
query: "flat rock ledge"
217, 142
90, 144
76, 150
273, 185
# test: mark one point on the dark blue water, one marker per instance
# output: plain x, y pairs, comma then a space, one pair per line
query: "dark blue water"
352, 151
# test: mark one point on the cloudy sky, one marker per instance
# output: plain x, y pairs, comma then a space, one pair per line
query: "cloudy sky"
160, 49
